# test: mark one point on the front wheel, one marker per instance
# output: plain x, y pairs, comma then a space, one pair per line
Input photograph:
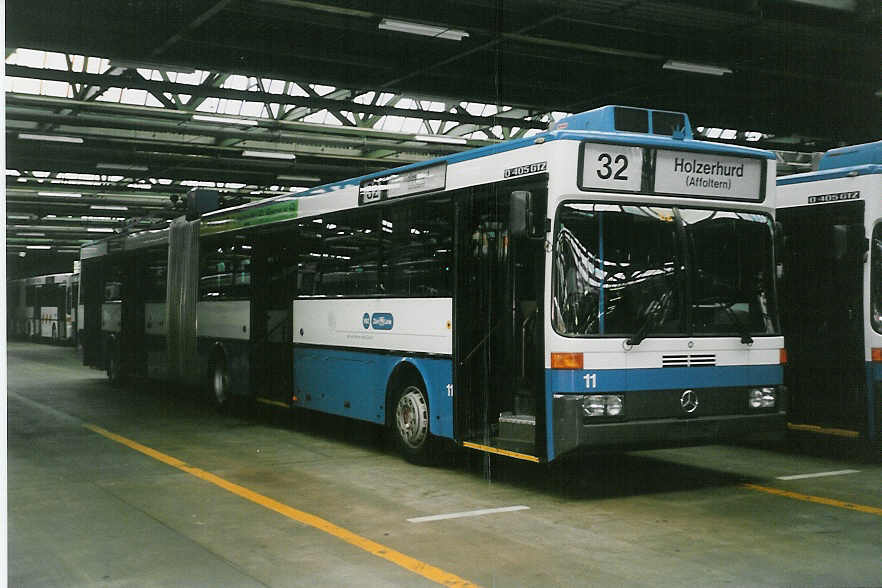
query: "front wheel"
411, 424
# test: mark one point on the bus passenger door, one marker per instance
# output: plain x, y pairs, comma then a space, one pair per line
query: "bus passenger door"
823, 314
273, 272
497, 356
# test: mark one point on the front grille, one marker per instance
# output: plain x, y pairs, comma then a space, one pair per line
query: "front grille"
689, 360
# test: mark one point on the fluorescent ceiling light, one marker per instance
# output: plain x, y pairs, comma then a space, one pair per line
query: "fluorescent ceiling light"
52, 138
64, 194
269, 154
140, 186
30, 234
848, 5
108, 207
38, 247
150, 65
19, 217
414, 28
711, 70
222, 119
99, 230
298, 178
441, 139
121, 166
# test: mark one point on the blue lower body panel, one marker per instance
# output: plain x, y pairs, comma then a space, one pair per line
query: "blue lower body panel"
353, 384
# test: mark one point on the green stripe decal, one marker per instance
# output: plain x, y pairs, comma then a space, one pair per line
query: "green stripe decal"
249, 217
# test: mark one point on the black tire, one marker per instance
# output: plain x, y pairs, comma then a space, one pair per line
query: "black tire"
410, 423
219, 388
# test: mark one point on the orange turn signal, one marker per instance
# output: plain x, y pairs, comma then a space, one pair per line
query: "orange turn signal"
876, 354
567, 361
782, 356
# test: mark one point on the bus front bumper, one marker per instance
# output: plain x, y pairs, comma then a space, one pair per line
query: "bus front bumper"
571, 430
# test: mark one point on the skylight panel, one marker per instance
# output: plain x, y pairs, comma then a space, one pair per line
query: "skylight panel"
57, 89
322, 90
236, 82
23, 85
110, 95
210, 104
252, 109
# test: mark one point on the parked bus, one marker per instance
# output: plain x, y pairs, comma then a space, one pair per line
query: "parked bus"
43, 307
607, 284
832, 292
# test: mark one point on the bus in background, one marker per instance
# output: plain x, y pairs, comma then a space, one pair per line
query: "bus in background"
832, 292
607, 284
43, 307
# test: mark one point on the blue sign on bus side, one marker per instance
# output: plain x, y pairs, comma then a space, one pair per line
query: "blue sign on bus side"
382, 321
366, 321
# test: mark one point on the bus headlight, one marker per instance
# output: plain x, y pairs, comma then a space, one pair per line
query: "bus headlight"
761, 397
600, 405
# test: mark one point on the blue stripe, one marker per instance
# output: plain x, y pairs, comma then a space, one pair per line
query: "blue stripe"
831, 174
623, 380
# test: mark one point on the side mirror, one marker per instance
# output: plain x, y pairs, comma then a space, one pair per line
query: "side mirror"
520, 214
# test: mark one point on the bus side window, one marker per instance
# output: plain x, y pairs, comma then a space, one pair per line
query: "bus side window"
225, 270
418, 248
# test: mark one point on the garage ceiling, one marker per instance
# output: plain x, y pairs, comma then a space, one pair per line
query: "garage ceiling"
312, 92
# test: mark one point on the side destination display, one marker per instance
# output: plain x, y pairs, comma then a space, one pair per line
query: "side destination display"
405, 183
705, 174
249, 217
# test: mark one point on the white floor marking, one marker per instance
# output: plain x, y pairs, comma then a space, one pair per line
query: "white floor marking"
818, 475
470, 513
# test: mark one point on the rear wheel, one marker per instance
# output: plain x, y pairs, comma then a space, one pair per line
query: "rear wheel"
411, 424
221, 394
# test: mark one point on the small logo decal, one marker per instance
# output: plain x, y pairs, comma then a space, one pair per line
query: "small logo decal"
382, 321
366, 321
689, 401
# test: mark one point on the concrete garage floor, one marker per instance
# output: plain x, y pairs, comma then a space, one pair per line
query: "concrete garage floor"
85, 509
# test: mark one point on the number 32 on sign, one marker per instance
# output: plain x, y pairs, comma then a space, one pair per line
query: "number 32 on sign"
611, 167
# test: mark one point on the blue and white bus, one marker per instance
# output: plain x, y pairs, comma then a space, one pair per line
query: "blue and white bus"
43, 308
832, 293
607, 284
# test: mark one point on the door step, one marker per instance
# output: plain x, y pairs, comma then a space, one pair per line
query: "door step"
517, 428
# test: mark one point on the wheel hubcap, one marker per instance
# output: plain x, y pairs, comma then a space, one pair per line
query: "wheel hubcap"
412, 417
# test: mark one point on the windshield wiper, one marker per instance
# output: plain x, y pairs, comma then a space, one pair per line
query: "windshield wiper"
649, 320
726, 306
742, 328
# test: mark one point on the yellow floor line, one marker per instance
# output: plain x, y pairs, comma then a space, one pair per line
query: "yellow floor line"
816, 499
505, 452
824, 430
411, 564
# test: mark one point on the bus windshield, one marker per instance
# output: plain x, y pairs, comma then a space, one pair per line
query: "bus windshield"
635, 271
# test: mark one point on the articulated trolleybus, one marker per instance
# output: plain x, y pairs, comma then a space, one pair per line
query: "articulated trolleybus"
832, 293
606, 284
43, 308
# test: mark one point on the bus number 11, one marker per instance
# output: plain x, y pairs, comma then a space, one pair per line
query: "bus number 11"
590, 381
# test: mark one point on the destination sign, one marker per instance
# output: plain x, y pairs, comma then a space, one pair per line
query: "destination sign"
708, 175
406, 183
